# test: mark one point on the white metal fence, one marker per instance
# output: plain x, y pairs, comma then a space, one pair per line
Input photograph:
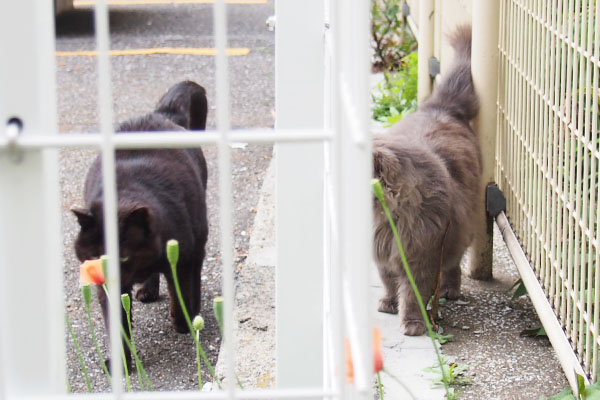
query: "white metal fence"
547, 155
322, 61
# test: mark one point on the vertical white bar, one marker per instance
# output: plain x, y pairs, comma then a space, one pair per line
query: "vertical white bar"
426, 36
109, 185
31, 310
485, 76
225, 186
299, 97
354, 174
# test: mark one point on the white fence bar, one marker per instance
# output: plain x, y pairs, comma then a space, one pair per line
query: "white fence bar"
426, 42
353, 173
176, 139
225, 189
484, 61
109, 191
32, 324
299, 98
247, 394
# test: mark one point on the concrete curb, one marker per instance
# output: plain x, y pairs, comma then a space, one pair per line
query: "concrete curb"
254, 311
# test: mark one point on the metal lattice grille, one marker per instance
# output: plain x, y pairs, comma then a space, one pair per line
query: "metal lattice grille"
548, 154
332, 73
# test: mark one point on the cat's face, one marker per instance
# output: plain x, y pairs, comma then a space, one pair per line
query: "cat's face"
138, 244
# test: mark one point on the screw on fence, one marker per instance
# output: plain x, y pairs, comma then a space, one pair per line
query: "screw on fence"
13, 130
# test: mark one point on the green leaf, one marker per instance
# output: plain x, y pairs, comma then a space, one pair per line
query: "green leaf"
566, 394
533, 332
520, 291
580, 386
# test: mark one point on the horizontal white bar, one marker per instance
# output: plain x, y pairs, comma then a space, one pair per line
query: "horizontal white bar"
308, 393
176, 139
557, 337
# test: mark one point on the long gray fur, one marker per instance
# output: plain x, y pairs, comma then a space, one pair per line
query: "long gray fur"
430, 167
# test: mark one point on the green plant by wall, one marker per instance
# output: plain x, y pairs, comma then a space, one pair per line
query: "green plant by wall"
396, 96
390, 37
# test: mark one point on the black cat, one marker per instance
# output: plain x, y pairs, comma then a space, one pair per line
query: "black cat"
161, 196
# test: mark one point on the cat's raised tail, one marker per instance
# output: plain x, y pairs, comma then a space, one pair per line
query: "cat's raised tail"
185, 104
456, 95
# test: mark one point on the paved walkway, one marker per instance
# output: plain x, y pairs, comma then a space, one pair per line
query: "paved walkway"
485, 323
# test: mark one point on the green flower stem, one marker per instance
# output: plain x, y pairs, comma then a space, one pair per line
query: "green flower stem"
69, 390
173, 256
198, 360
218, 310
86, 290
79, 354
127, 379
378, 190
126, 301
138, 362
379, 386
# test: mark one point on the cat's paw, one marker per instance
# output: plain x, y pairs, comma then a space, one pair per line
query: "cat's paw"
180, 325
387, 305
450, 292
109, 366
146, 295
414, 327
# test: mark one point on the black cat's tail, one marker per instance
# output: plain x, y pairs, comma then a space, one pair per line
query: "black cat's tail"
185, 104
456, 95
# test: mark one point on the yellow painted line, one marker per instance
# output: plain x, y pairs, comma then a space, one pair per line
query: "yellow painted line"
241, 51
84, 3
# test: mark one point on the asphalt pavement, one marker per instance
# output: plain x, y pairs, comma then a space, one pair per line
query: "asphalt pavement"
138, 81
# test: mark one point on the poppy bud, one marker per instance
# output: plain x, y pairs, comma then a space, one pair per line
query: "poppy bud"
173, 252
126, 301
198, 323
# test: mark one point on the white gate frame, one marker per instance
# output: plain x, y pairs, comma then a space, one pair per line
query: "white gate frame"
324, 201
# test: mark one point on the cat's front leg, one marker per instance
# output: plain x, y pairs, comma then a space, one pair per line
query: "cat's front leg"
186, 285
149, 289
389, 301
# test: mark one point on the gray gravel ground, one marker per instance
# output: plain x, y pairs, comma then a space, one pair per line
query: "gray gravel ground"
503, 364
137, 84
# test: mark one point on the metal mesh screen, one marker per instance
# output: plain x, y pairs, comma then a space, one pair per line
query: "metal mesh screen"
548, 156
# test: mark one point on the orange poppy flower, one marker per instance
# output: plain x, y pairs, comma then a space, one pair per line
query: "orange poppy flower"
91, 272
377, 355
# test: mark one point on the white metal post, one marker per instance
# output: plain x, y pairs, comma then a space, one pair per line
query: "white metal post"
299, 97
32, 326
426, 36
486, 16
353, 167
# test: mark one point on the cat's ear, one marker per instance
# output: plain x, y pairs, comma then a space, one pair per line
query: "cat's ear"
139, 217
84, 217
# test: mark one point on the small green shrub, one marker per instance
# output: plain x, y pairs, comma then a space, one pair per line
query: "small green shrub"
396, 96
390, 37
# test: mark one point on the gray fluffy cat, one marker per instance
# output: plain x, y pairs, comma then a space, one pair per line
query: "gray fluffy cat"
430, 167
